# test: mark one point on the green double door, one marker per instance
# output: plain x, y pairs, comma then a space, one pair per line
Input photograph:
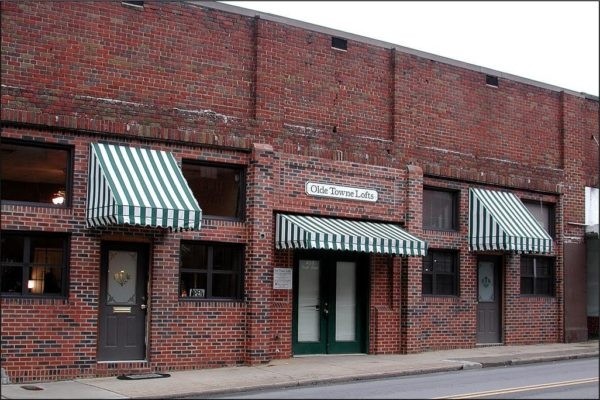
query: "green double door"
330, 303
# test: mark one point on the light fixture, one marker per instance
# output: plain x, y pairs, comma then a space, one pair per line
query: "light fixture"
58, 197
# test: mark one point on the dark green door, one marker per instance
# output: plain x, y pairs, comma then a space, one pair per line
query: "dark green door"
330, 296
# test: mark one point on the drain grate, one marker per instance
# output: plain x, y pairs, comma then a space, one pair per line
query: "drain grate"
152, 375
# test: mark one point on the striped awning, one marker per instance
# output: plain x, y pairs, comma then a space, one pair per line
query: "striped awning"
129, 185
500, 221
307, 232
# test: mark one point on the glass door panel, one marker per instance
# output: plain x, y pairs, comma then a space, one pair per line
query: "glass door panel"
345, 301
309, 300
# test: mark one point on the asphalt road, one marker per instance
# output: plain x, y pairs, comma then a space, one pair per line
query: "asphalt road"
572, 379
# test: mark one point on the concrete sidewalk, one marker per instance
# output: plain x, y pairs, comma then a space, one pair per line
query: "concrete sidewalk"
299, 371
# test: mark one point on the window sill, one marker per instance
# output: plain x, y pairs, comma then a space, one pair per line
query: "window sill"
229, 303
538, 296
445, 231
26, 300
443, 298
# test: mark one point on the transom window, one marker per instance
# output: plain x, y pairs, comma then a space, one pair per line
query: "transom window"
211, 270
543, 213
440, 209
220, 190
440, 273
35, 173
33, 264
537, 276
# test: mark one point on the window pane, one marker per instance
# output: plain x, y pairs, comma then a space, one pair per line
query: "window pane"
217, 189
193, 284
543, 286
44, 280
12, 279
47, 251
226, 258
526, 285
428, 263
444, 284
427, 284
194, 256
53, 280
12, 248
224, 285
439, 209
32, 173
443, 263
526, 266
543, 268
543, 213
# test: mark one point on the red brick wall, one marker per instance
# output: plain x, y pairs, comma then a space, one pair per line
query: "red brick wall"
384, 327
527, 319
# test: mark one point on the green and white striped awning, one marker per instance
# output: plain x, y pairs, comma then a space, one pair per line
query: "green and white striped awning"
129, 185
307, 232
500, 221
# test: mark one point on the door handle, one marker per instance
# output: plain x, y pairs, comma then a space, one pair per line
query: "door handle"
325, 309
143, 306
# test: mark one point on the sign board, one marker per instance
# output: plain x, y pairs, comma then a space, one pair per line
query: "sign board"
197, 292
282, 278
340, 192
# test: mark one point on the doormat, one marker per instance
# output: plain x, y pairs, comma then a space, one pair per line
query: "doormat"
152, 375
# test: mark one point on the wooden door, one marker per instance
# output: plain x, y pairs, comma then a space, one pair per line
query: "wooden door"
123, 302
489, 293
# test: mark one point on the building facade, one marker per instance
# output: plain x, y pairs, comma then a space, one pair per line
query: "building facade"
190, 185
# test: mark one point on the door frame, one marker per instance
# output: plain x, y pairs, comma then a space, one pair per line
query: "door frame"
328, 260
498, 263
142, 296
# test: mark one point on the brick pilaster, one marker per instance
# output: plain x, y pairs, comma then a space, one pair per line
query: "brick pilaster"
259, 254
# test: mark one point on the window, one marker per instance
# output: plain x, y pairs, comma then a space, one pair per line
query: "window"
211, 271
543, 213
33, 264
491, 80
339, 43
220, 190
34, 173
440, 273
440, 209
537, 275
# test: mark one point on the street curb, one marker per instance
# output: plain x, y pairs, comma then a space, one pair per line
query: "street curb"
354, 378
539, 359
309, 382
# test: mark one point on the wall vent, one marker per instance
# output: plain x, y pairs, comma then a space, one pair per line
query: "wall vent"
491, 80
133, 4
339, 43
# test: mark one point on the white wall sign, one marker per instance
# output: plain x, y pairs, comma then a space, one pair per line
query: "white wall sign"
282, 278
340, 192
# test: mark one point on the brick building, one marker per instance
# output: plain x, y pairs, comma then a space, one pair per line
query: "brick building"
191, 185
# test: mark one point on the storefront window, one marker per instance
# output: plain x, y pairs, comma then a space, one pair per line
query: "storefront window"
537, 276
35, 174
440, 209
211, 271
440, 273
33, 265
543, 213
220, 190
